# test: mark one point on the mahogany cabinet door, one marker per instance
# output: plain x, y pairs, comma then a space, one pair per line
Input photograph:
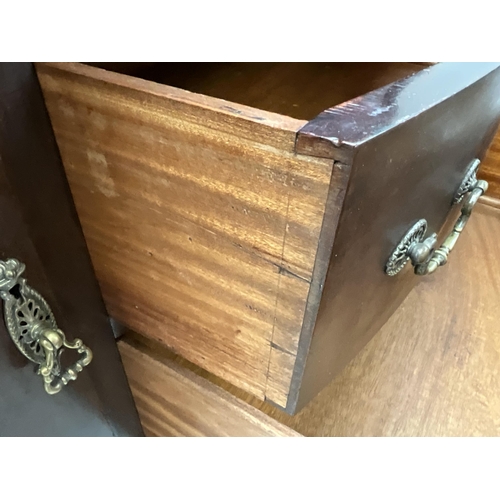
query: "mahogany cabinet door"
39, 227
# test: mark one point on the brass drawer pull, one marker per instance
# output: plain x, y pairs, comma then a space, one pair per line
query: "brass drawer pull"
425, 258
33, 329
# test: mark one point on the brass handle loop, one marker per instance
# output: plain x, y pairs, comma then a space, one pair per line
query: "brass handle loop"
32, 327
422, 253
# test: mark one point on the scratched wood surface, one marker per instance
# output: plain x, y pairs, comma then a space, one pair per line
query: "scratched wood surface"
433, 369
173, 401
201, 222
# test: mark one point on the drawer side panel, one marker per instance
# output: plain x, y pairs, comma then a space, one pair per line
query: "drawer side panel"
202, 222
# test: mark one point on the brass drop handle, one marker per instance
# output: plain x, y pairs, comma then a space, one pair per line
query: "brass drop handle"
53, 343
424, 258
422, 253
32, 327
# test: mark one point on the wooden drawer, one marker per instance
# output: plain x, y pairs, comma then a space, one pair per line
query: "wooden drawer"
246, 238
174, 401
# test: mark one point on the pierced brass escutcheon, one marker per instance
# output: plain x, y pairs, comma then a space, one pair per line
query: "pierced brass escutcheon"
32, 327
422, 253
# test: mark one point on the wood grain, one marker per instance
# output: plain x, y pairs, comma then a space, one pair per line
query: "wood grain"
297, 89
201, 221
433, 369
210, 234
490, 167
490, 201
173, 401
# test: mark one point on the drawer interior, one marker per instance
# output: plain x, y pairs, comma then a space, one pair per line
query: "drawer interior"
299, 90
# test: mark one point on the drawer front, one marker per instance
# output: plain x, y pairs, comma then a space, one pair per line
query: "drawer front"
408, 147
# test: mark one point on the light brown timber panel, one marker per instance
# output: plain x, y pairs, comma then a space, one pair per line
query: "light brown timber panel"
201, 222
490, 167
173, 401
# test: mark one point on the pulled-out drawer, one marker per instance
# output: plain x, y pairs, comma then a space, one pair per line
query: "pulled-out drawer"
253, 243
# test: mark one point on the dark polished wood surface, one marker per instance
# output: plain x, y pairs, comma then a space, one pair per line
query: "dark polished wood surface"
407, 147
337, 132
39, 226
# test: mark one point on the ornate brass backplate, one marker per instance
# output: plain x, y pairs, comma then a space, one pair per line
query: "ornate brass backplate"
421, 251
33, 328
